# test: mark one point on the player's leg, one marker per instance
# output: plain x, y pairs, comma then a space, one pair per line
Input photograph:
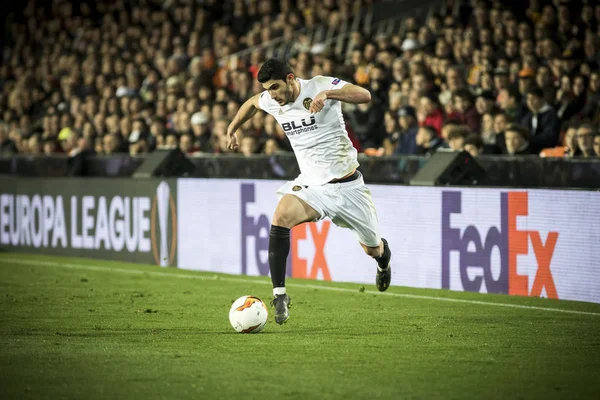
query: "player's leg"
374, 252
360, 215
382, 255
290, 211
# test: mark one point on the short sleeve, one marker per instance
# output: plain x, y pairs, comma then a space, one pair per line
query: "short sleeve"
336, 83
263, 101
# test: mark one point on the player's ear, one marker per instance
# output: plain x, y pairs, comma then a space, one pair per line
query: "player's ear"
289, 78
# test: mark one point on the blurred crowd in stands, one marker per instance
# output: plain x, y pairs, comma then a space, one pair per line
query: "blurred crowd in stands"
132, 76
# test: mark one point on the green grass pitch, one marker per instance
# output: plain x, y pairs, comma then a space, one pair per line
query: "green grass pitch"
88, 329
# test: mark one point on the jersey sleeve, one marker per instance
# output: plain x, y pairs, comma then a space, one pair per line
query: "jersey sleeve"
336, 83
263, 101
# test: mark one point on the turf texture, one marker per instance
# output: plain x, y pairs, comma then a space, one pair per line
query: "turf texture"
89, 329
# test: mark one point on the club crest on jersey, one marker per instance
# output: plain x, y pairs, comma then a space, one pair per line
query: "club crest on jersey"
306, 103
297, 188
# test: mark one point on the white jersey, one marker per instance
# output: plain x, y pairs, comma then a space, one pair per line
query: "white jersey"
320, 141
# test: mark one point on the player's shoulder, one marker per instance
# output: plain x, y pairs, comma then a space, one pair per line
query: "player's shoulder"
324, 80
265, 102
264, 96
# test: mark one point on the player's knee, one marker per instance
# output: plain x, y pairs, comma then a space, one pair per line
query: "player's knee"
283, 219
373, 251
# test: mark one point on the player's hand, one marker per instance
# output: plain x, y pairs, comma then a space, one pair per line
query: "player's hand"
232, 143
318, 103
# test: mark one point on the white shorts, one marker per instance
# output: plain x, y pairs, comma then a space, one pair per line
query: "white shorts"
348, 205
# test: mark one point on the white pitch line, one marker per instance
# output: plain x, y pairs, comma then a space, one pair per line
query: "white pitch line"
299, 285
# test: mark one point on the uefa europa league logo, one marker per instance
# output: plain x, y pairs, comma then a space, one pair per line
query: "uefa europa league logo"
163, 193
163, 226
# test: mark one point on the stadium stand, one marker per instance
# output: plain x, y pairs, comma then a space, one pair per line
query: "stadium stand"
129, 77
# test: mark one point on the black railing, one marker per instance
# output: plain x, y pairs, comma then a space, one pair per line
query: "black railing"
523, 171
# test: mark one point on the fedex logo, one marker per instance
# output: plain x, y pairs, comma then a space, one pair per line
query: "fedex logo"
475, 249
257, 227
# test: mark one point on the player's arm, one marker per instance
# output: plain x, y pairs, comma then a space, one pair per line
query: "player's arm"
246, 111
348, 93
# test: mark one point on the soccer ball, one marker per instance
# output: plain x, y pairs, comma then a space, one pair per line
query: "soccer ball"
248, 314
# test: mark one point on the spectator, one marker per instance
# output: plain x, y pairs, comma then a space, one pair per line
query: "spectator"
409, 127
392, 130
545, 81
597, 144
98, 146
202, 136
83, 146
432, 113
428, 141
171, 141
186, 144
592, 105
526, 81
7, 146
473, 145
465, 110
34, 145
448, 126
501, 121
248, 145
570, 97
569, 148
457, 136
485, 102
487, 128
366, 121
517, 140
501, 80
49, 146
541, 121
141, 146
111, 144
84, 149
585, 140
455, 80
509, 100
271, 147
272, 130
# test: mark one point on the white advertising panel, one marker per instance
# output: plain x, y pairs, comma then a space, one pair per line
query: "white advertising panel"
519, 242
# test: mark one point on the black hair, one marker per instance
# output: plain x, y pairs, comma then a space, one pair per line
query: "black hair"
464, 94
274, 69
474, 140
537, 92
520, 130
514, 93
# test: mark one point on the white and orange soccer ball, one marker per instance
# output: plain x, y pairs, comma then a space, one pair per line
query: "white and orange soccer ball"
248, 314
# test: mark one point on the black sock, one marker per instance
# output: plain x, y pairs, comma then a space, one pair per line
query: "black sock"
279, 248
384, 260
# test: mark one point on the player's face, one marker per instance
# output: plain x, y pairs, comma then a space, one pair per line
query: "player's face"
280, 91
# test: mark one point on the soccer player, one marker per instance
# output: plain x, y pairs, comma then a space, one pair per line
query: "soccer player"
329, 185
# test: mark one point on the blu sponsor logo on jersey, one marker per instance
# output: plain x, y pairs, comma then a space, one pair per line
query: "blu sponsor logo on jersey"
297, 127
475, 251
255, 242
102, 223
